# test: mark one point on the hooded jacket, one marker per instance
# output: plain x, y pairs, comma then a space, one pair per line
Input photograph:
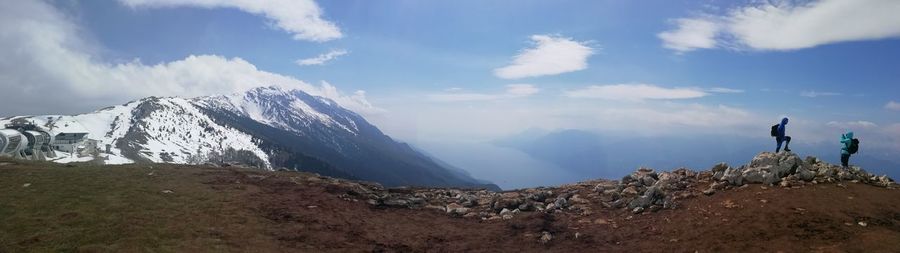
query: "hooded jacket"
784, 122
846, 139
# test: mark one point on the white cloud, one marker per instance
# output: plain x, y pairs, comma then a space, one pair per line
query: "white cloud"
891, 105
724, 90
550, 55
813, 94
521, 90
852, 124
691, 34
322, 58
788, 25
634, 92
512, 91
302, 18
43, 58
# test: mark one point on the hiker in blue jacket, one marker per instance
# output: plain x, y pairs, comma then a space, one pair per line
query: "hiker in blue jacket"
780, 137
847, 140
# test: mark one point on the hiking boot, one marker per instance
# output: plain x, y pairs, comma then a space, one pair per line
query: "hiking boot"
787, 150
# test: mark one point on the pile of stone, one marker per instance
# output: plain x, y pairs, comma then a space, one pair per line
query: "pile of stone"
644, 190
787, 169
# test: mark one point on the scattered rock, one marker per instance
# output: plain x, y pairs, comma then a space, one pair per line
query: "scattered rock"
416, 201
785, 183
546, 237
648, 181
456, 209
862, 223
551, 207
396, 203
26, 185
561, 202
168, 191
729, 204
577, 199
639, 192
631, 190
642, 202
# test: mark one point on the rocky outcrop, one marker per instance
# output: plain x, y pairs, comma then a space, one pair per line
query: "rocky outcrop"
644, 190
787, 168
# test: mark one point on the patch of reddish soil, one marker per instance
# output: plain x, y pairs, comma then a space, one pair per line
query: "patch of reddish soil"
310, 216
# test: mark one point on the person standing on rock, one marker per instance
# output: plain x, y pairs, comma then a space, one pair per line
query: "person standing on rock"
848, 148
778, 132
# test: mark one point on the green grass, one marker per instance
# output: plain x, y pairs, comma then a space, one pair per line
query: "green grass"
117, 208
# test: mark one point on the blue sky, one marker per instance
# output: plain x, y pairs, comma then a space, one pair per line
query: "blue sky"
428, 70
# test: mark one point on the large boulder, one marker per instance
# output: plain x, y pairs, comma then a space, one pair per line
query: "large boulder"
654, 193
648, 181
760, 175
781, 164
719, 170
803, 173
733, 176
764, 159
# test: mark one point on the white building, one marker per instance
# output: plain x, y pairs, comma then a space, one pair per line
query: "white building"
67, 136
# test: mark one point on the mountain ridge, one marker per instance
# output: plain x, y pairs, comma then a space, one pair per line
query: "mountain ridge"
265, 127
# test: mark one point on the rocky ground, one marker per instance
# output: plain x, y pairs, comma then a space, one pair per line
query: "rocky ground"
778, 202
644, 190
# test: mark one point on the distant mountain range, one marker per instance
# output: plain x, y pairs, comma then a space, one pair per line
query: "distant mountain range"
267, 127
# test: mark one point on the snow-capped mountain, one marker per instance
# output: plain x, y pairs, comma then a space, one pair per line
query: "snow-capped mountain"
268, 127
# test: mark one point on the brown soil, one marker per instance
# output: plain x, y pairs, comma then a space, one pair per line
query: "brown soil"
819, 218
124, 209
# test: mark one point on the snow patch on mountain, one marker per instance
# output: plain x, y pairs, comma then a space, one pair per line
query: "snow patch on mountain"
275, 107
175, 131
179, 132
107, 126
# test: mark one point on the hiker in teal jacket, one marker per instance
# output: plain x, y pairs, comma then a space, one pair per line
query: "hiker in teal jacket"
846, 139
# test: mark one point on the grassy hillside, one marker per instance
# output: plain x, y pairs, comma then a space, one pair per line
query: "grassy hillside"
48, 207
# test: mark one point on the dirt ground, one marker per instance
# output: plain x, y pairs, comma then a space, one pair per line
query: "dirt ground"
820, 218
240, 210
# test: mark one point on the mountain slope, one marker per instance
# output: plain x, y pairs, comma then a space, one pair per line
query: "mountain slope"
265, 127
296, 121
